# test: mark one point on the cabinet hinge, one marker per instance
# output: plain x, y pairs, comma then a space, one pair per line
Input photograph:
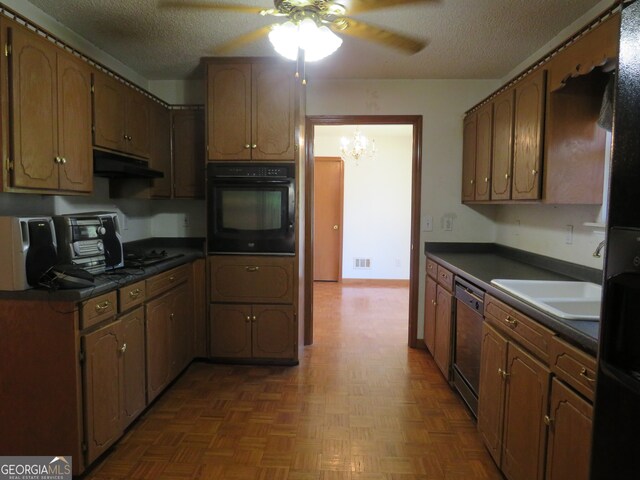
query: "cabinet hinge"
7, 49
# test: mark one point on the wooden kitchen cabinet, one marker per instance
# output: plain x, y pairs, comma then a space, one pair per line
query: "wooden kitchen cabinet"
431, 289
438, 315
50, 111
133, 366
181, 328
122, 117
230, 331
442, 340
160, 150
250, 110
528, 131
188, 153
569, 445
502, 150
484, 143
470, 131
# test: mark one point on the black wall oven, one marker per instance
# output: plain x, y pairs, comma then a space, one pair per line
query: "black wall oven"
251, 208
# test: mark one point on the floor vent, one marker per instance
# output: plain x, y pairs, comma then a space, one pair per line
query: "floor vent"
362, 263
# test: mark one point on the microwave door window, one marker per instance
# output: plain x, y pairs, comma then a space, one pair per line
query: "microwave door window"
252, 210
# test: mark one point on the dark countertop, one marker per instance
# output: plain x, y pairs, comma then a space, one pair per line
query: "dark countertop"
190, 249
481, 263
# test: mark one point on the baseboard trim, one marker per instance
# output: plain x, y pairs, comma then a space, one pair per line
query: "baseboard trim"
371, 282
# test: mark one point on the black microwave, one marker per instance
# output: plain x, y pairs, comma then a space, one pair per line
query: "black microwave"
251, 208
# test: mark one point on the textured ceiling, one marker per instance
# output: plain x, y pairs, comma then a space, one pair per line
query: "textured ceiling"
467, 38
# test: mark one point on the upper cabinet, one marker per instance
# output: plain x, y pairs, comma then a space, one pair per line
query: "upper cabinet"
188, 153
160, 150
539, 137
250, 111
121, 117
49, 110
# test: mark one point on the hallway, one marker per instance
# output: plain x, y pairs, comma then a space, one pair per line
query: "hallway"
361, 406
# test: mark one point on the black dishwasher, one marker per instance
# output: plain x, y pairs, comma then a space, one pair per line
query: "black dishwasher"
468, 341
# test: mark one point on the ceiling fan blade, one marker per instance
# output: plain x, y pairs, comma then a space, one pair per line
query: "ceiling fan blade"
384, 37
361, 6
209, 6
243, 40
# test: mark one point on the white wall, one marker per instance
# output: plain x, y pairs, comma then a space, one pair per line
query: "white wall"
377, 199
179, 92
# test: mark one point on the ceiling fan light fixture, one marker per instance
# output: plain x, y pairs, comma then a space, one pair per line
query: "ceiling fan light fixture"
317, 42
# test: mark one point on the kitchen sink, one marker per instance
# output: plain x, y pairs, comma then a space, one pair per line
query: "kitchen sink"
569, 300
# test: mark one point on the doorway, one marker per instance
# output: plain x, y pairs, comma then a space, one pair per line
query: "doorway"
415, 122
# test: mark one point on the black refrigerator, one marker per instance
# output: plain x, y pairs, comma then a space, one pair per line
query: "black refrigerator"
616, 422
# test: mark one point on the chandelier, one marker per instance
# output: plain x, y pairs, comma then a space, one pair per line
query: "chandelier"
316, 42
358, 147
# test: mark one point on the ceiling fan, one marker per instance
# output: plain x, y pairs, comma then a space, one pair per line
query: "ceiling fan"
311, 25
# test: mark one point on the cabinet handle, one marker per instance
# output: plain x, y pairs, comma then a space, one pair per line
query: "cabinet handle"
252, 269
247, 146
100, 307
548, 420
63, 160
123, 348
486, 179
172, 278
511, 321
503, 374
135, 293
534, 172
471, 181
253, 319
57, 160
171, 316
434, 302
506, 175
584, 374
248, 319
254, 146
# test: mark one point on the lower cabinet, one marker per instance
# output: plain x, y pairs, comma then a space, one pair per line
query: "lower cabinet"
442, 340
431, 288
133, 368
253, 331
512, 410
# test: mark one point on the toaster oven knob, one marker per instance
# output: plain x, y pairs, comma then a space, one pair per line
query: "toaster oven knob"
101, 230
100, 247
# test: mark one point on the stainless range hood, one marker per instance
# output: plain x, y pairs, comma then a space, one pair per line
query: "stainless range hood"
111, 165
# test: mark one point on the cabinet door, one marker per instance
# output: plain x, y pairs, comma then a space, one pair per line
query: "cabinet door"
273, 108
74, 124
528, 123
230, 331
492, 386
229, 111
274, 333
137, 123
484, 139
199, 309
431, 288
160, 150
108, 109
181, 327
158, 334
502, 156
470, 128
442, 354
133, 368
34, 115
569, 447
526, 396
188, 153
102, 388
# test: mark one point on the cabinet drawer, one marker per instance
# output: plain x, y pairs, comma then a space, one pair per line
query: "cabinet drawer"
164, 281
521, 328
97, 309
445, 278
131, 296
573, 366
432, 268
251, 279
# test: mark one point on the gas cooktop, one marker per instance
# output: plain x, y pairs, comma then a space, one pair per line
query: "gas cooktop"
145, 258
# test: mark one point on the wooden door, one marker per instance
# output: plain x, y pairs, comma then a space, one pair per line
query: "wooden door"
484, 143
274, 331
328, 201
501, 169
230, 330
133, 366
492, 387
102, 388
109, 99
158, 334
160, 150
470, 128
442, 347
229, 112
188, 153
569, 446
34, 113
273, 112
431, 288
528, 128
74, 124
526, 396
181, 318
137, 123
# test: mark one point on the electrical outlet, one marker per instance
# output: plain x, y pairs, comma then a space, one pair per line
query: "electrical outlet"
568, 239
427, 223
447, 224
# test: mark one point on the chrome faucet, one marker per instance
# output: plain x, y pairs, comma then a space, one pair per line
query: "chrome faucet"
599, 248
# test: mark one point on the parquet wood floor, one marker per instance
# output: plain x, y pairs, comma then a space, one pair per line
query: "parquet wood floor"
360, 406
